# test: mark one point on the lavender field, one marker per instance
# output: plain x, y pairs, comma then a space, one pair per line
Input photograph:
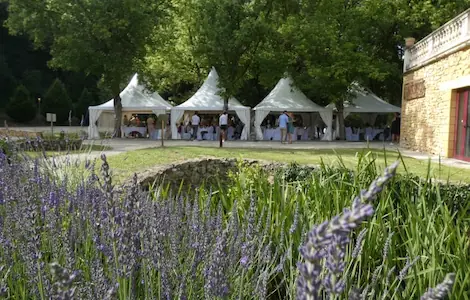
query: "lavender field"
68, 233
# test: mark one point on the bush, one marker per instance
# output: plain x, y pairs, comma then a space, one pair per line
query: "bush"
57, 101
22, 107
294, 173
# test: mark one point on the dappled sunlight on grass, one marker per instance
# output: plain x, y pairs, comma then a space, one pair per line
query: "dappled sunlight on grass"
83, 150
140, 160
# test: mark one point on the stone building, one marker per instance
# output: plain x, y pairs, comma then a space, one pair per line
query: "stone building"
436, 86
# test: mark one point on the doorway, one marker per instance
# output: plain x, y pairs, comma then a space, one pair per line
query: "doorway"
462, 126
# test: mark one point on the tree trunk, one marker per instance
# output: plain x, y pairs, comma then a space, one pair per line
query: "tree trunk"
117, 116
226, 104
340, 116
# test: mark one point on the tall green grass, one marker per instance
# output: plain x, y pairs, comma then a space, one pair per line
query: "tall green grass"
428, 219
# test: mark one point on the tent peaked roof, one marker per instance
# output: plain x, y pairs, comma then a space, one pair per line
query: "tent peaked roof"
136, 96
207, 97
285, 96
364, 101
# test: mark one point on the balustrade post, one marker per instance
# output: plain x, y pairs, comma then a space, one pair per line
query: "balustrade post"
409, 43
465, 28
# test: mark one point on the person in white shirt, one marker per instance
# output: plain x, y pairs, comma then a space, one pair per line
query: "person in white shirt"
223, 124
195, 120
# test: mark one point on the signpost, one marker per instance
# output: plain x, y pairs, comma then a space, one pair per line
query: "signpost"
51, 118
163, 119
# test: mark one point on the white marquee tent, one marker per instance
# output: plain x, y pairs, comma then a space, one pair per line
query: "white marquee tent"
207, 99
135, 99
286, 97
365, 102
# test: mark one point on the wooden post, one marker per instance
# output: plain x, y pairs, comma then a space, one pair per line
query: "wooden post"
163, 124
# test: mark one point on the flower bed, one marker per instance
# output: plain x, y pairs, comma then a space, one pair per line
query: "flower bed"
50, 145
70, 235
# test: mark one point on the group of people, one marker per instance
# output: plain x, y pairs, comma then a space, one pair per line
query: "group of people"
223, 125
286, 125
135, 121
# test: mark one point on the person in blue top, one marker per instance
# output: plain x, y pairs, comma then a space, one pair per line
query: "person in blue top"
283, 120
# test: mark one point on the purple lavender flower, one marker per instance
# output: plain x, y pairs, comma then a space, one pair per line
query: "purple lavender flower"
335, 265
63, 282
216, 280
296, 219
320, 239
358, 248
442, 290
407, 267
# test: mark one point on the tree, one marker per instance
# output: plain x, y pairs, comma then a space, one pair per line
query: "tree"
32, 79
227, 35
85, 100
103, 38
326, 48
22, 107
171, 66
57, 101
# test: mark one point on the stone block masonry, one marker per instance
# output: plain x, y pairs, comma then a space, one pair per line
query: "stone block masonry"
428, 109
195, 172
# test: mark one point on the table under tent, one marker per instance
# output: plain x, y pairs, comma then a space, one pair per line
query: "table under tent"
140, 109
310, 117
209, 105
368, 107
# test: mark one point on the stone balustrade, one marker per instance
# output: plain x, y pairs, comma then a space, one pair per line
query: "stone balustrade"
450, 36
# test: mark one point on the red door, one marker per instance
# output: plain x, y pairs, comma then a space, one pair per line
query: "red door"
462, 127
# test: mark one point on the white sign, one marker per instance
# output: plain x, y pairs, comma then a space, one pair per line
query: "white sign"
51, 117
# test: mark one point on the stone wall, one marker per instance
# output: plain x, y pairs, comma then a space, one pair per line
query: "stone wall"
428, 122
196, 171
50, 145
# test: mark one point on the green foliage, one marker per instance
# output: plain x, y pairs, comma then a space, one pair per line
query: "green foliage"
85, 100
428, 219
294, 173
324, 45
171, 65
228, 36
102, 38
22, 107
32, 79
57, 101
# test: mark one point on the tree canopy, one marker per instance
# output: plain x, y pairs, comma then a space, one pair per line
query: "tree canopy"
325, 45
22, 107
104, 38
57, 101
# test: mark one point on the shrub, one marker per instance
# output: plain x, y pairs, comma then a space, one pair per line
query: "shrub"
57, 101
294, 173
22, 107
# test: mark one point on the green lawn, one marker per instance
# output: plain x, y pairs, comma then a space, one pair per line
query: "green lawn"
124, 165
84, 149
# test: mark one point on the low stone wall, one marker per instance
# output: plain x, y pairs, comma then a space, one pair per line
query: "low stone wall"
196, 171
50, 145
17, 133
